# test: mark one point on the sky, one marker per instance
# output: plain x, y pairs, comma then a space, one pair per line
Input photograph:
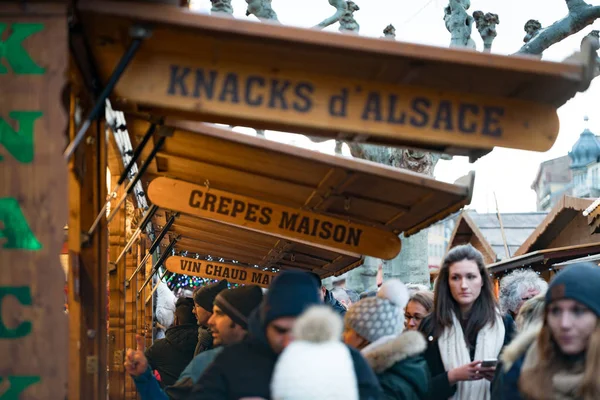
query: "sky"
506, 174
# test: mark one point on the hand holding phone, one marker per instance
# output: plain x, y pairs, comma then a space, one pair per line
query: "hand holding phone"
489, 363
487, 369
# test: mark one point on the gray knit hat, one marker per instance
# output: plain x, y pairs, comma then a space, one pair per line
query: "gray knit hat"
383, 315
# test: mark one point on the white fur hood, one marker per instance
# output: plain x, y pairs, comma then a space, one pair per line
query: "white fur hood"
381, 355
519, 346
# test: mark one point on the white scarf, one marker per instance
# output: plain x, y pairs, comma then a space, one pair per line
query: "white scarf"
455, 353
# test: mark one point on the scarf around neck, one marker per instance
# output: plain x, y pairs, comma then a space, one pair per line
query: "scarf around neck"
565, 383
455, 353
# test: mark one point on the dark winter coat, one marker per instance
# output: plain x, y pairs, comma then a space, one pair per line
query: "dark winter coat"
173, 353
506, 381
400, 366
439, 386
245, 370
334, 303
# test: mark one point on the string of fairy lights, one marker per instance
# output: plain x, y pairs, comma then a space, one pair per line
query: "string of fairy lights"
180, 281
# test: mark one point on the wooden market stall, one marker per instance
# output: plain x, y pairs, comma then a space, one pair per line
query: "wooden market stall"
497, 238
301, 190
220, 69
543, 261
565, 225
563, 235
166, 66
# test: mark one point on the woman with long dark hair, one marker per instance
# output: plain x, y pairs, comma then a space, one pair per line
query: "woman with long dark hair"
560, 358
465, 328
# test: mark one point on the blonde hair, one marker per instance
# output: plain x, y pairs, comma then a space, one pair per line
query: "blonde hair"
534, 383
531, 312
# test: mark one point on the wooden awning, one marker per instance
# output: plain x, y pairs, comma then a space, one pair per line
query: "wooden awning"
198, 160
561, 215
546, 257
219, 69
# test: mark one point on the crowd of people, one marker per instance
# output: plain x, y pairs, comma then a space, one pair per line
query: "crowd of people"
301, 341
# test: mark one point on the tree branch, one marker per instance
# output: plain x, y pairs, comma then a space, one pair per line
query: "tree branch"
580, 15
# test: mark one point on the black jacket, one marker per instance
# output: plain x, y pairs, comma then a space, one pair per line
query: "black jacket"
400, 367
173, 353
245, 370
334, 303
439, 387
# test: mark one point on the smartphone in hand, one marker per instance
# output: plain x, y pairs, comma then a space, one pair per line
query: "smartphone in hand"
489, 363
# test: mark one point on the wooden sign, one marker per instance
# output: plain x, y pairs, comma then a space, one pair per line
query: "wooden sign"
33, 201
296, 101
215, 270
282, 221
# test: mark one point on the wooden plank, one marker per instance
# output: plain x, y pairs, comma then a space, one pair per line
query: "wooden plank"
33, 202
318, 230
440, 68
236, 93
215, 270
208, 240
116, 337
262, 76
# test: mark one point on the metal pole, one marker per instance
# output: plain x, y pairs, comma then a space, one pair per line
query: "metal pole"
147, 218
154, 245
162, 258
135, 180
136, 154
155, 287
139, 34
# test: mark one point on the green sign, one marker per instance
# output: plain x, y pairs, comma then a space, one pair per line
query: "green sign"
14, 53
19, 142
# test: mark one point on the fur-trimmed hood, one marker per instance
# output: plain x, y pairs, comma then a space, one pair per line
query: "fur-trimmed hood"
518, 347
387, 351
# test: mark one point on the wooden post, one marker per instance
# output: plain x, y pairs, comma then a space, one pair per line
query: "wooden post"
88, 295
116, 337
131, 262
33, 201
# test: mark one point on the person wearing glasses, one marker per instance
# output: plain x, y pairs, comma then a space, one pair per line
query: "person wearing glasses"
419, 306
518, 287
204, 298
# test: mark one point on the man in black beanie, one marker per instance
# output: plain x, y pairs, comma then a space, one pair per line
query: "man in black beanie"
204, 298
229, 325
245, 369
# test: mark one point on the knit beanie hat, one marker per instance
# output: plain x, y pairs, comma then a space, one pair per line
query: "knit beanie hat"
382, 315
579, 282
290, 293
316, 365
205, 296
239, 303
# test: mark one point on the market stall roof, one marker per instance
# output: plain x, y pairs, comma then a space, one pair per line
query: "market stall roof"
561, 215
547, 257
483, 231
199, 160
219, 69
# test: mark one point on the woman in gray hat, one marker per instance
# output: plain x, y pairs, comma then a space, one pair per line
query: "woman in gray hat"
374, 326
561, 358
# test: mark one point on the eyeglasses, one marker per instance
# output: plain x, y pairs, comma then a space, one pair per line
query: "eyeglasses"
417, 318
527, 298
